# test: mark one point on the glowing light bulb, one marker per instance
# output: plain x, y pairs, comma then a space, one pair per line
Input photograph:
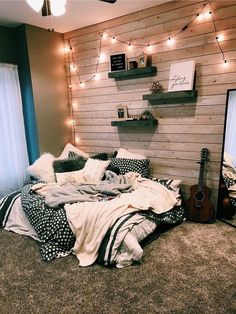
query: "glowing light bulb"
206, 15
74, 105
104, 35
200, 17
73, 67
102, 57
57, 7
67, 49
170, 41
82, 84
130, 46
70, 86
220, 37
149, 48
77, 140
96, 76
113, 40
36, 5
226, 63
72, 122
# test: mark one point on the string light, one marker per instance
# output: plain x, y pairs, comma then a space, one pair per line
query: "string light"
73, 68
68, 50
149, 48
202, 14
77, 140
170, 41
102, 57
226, 63
220, 37
96, 76
104, 35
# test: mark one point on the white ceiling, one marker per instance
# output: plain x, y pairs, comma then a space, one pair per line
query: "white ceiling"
79, 13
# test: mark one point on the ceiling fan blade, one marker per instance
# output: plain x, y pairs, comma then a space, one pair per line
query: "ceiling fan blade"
108, 1
46, 9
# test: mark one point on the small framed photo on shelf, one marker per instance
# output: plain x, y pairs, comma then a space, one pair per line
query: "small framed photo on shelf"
142, 61
121, 112
132, 63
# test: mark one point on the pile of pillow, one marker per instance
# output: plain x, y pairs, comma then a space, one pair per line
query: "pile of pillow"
74, 166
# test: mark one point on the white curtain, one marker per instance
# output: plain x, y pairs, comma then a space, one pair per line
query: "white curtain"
13, 154
230, 132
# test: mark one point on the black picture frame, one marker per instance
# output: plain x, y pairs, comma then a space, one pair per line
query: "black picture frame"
118, 62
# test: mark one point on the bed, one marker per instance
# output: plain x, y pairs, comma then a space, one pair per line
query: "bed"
100, 208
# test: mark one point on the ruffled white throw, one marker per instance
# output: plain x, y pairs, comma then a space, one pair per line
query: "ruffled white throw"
90, 221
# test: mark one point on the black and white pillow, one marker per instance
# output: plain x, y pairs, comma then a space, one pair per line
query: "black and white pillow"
126, 165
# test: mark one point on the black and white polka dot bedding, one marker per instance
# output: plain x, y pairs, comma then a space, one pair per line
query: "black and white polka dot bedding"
56, 237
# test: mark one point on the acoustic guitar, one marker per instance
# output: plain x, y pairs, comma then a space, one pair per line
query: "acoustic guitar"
198, 206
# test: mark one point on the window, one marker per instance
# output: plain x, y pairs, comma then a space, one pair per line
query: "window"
13, 153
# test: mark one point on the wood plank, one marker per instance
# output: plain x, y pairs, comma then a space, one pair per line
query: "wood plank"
183, 129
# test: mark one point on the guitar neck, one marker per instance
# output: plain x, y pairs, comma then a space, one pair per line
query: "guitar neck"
201, 176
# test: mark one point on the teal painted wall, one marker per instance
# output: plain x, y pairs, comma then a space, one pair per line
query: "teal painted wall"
7, 49
39, 55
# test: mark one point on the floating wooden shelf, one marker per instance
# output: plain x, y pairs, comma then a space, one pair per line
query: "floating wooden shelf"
131, 74
135, 123
172, 97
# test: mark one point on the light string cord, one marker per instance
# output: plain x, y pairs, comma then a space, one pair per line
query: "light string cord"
141, 45
216, 37
72, 122
71, 59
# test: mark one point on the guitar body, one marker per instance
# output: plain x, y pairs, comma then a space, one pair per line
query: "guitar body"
198, 206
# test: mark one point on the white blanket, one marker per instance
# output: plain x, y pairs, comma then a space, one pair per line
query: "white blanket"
90, 221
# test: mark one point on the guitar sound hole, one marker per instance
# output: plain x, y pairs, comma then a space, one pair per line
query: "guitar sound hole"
199, 196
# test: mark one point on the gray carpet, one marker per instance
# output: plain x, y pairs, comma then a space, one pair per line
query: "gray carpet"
188, 269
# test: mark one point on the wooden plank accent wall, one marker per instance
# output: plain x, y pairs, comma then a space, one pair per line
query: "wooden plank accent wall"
183, 129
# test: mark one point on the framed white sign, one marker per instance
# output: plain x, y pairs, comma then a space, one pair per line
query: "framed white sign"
181, 76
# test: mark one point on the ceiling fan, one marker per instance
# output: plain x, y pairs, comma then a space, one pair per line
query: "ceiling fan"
53, 7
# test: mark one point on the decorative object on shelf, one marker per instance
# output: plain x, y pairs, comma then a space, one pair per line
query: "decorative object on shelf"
134, 117
181, 76
132, 64
142, 60
156, 87
121, 112
118, 62
146, 115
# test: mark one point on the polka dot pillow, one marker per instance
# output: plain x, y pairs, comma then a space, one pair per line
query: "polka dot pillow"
126, 165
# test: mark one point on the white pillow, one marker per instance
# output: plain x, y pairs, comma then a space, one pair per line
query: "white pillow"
71, 148
124, 153
42, 168
94, 169
72, 177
